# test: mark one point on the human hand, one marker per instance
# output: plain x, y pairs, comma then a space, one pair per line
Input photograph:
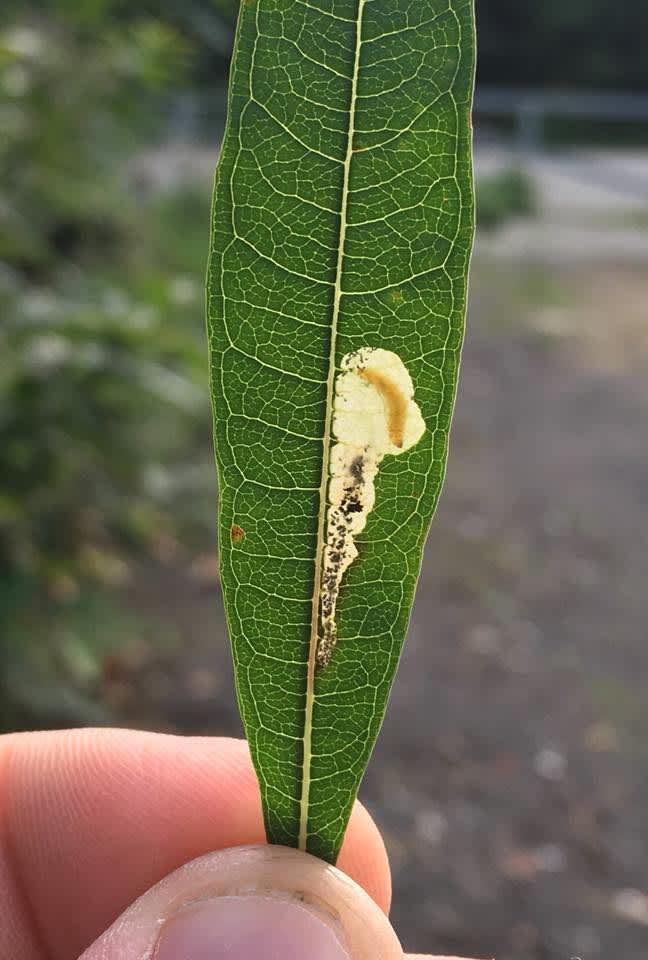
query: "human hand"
92, 820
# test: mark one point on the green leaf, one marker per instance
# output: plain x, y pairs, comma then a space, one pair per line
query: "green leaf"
342, 222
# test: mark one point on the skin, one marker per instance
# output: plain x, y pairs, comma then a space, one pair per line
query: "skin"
90, 820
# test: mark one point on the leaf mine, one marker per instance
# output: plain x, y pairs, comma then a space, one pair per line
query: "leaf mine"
374, 415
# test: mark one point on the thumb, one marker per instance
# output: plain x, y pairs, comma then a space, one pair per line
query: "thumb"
251, 903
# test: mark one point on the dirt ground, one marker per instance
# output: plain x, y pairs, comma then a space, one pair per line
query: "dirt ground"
511, 777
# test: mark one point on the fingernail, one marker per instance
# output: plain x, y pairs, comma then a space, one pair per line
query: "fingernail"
248, 928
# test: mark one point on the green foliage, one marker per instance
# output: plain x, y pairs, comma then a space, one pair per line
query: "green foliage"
228, 8
81, 394
70, 104
342, 218
102, 384
503, 196
51, 654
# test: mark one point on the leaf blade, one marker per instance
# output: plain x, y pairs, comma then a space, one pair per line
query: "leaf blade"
335, 223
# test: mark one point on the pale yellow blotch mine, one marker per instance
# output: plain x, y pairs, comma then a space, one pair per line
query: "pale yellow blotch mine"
374, 414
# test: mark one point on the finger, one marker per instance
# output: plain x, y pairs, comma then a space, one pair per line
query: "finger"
94, 818
245, 903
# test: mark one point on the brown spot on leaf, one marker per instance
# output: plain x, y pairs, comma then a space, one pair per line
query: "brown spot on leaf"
237, 534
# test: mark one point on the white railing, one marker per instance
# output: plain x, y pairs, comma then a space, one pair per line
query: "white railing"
530, 108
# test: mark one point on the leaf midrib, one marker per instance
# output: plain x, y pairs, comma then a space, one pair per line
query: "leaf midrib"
304, 804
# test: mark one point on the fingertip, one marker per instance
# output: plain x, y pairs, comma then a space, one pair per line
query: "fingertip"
364, 858
246, 901
83, 804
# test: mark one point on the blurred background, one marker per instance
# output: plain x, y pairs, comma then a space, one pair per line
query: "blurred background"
511, 779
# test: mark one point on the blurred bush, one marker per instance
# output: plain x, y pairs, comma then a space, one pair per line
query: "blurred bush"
104, 419
502, 196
